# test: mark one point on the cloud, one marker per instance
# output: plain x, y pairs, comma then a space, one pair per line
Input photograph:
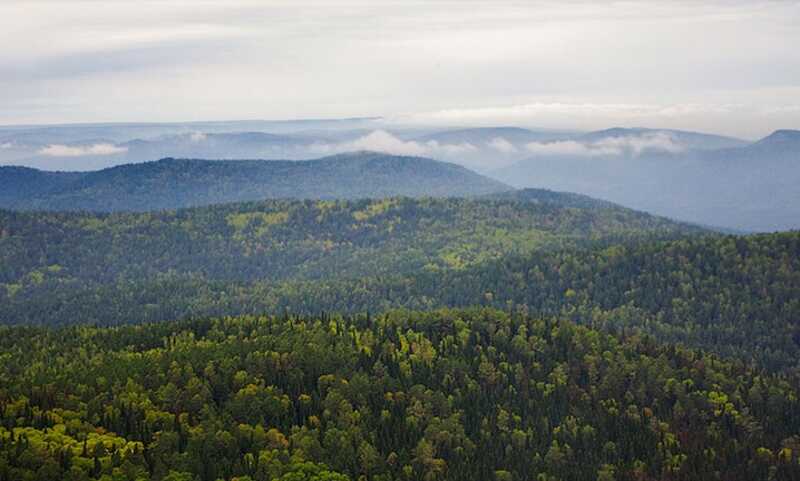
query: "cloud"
562, 147
385, 142
204, 59
502, 145
382, 141
60, 150
658, 141
6, 145
434, 147
197, 136
612, 145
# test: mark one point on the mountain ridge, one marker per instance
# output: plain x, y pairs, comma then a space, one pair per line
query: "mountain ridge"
696, 140
744, 188
782, 139
173, 183
46, 254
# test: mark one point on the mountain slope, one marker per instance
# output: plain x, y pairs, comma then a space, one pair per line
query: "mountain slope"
23, 182
748, 188
175, 183
781, 145
549, 197
48, 259
551, 254
754, 187
685, 139
784, 139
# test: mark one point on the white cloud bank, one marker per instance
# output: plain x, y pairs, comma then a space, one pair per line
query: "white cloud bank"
60, 150
502, 145
563, 147
609, 146
382, 141
197, 136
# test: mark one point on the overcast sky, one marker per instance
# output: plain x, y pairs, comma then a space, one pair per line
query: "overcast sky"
729, 67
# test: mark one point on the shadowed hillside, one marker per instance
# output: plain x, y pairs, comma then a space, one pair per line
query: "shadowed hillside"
175, 183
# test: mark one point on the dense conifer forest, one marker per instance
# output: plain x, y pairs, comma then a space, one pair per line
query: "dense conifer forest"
443, 395
527, 335
545, 253
49, 259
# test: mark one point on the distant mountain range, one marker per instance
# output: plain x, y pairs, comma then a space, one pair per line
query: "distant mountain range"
682, 139
84, 147
703, 179
93, 148
484, 149
175, 183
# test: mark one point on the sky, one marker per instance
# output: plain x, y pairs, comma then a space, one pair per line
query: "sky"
729, 67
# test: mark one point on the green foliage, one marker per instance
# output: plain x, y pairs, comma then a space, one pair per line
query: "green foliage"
67, 267
597, 265
604, 267
445, 395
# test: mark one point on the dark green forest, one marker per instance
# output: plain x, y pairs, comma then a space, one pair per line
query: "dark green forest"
285, 239
444, 395
736, 296
595, 264
530, 335
174, 183
46, 259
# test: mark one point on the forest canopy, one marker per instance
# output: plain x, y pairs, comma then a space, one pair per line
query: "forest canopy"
443, 395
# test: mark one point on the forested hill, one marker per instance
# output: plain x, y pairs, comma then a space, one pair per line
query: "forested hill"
23, 183
736, 296
175, 183
600, 265
441, 396
46, 258
559, 199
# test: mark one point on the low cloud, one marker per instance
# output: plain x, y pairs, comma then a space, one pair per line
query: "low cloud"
654, 142
6, 145
382, 141
610, 146
562, 147
60, 150
502, 145
434, 147
197, 136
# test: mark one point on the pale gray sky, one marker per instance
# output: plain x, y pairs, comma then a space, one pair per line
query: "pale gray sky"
729, 67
